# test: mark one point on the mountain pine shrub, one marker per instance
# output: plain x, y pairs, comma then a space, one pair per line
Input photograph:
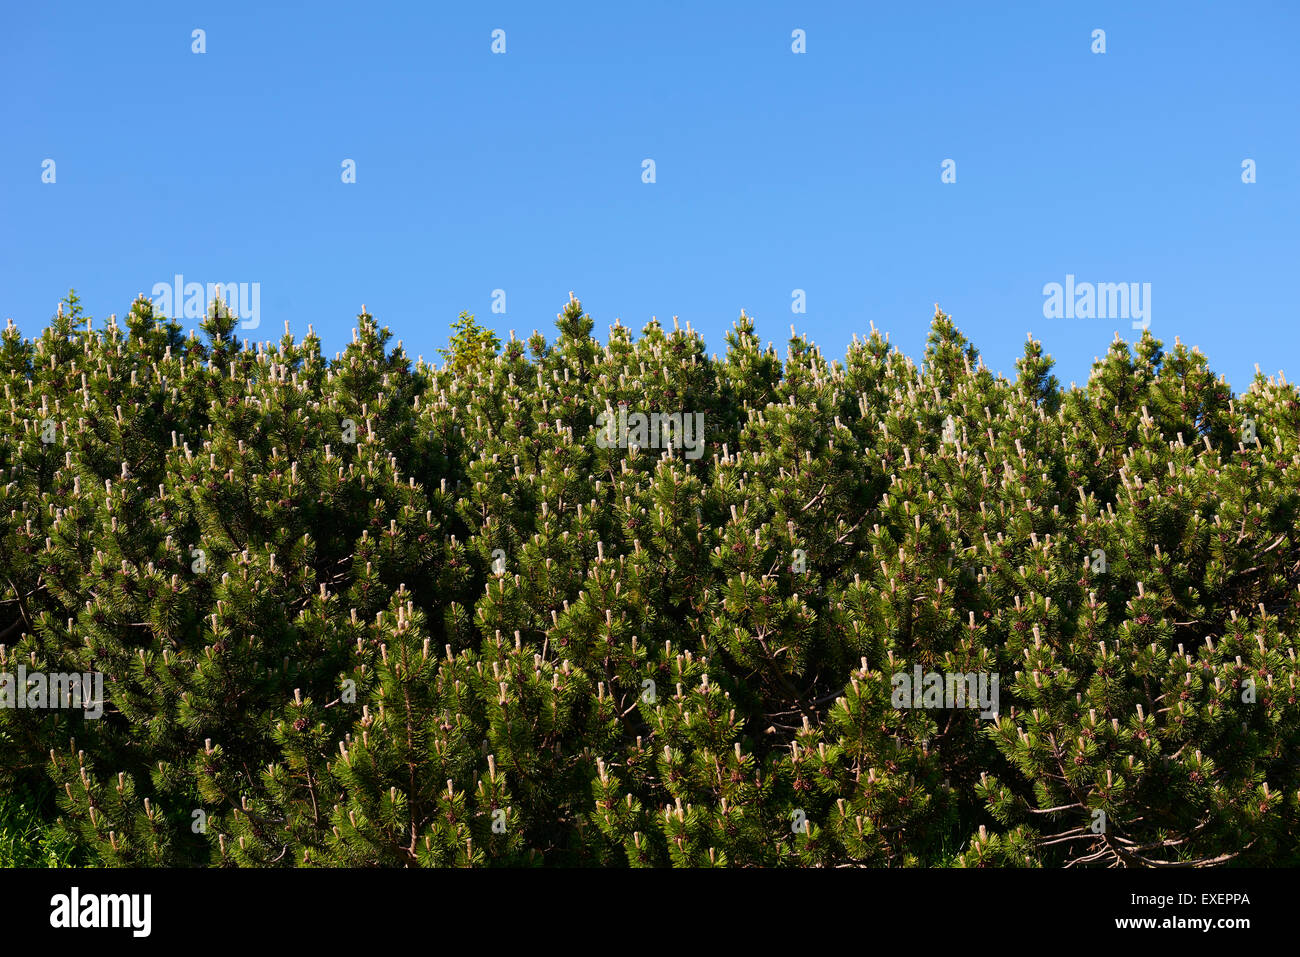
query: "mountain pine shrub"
370, 612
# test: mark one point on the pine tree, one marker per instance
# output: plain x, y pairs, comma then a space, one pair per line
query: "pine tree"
361, 611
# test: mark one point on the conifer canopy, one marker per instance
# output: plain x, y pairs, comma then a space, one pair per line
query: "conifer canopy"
365, 611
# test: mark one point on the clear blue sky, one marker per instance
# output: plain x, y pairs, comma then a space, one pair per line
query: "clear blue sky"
775, 171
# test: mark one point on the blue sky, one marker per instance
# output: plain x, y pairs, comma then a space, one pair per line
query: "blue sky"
775, 171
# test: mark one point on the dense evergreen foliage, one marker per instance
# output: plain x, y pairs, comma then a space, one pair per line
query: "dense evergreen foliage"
365, 611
